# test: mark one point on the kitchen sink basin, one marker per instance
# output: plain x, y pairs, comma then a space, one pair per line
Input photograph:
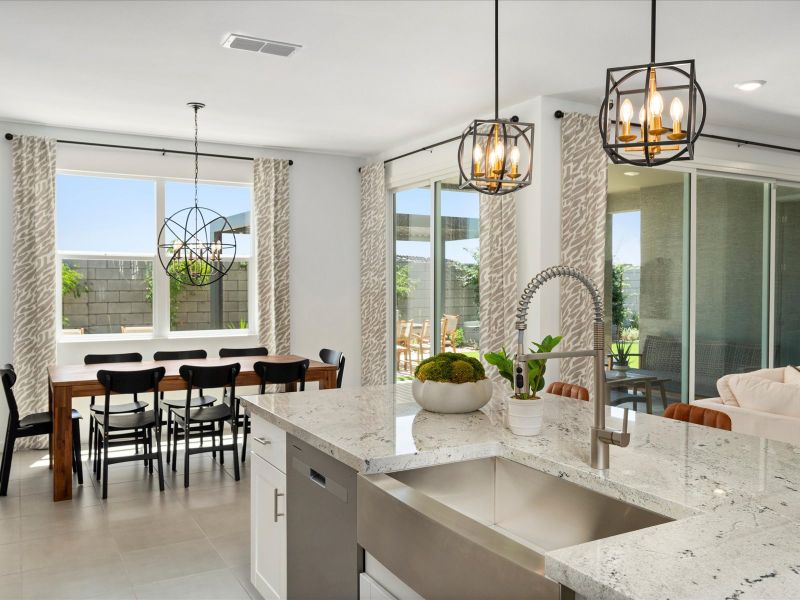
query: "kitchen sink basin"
480, 529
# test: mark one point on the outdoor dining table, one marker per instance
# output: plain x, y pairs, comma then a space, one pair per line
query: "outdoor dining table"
633, 378
66, 382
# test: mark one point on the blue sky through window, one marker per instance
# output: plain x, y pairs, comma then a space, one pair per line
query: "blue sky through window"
107, 214
626, 243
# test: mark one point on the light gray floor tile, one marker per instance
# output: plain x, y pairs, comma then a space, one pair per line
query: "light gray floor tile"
213, 585
173, 560
11, 587
62, 523
36, 504
90, 548
85, 581
10, 530
223, 520
10, 559
149, 532
9, 507
234, 548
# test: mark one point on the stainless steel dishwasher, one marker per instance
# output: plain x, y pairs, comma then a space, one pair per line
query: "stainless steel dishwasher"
323, 557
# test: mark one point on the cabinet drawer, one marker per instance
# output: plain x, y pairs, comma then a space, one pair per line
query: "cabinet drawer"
269, 442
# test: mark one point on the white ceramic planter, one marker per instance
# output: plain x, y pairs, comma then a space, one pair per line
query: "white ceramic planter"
440, 397
524, 417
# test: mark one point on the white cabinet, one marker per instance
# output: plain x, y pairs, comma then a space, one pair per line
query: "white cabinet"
268, 528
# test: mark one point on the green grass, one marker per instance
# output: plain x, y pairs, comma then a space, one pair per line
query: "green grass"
634, 362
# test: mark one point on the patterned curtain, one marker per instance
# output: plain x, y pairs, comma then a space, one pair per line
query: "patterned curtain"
33, 273
498, 276
374, 334
271, 217
584, 167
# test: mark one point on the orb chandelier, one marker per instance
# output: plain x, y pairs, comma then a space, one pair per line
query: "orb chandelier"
649, 142
190, 242
495, 156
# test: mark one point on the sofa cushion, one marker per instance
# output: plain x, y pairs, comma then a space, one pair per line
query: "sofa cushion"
766, 395
724, 388
791, 375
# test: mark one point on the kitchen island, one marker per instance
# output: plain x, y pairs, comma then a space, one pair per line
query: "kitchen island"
735, 499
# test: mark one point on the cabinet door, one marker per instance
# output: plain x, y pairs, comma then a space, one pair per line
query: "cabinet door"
267, 529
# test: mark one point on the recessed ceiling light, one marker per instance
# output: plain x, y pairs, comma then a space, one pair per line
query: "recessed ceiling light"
631, 173
749, 86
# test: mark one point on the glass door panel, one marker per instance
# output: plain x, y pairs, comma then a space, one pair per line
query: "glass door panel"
646, 287
787, 276
457, 269
732, 295
413, 279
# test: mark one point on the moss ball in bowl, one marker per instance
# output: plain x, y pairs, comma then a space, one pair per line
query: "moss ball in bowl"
451, 382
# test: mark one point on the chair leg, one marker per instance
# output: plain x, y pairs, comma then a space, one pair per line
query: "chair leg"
169, 432
150, 451
175, 445
160, 462
91, 434
246, 421
96, 461
235, 451
76, 450
221, 441
8, 453
105, 465
186, 430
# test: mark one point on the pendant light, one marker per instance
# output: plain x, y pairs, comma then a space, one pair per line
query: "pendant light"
190, 244
495, 156
650, 142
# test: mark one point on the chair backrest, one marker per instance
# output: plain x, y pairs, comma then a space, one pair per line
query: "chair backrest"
404, 330
568, 390
288, 372
131, 382
179, 354
221, 376
233, 352
332, 357
99, 359
9, 377
136, 329
698, 415
425, 334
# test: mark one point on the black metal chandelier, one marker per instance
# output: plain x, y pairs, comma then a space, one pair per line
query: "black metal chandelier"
190, 243
495, 156
648, 142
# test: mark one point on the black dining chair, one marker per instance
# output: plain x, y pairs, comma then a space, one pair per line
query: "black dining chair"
33, 424
130, 427
96, 410
170, 404
244, 415
272, 373
222, 376
332, 357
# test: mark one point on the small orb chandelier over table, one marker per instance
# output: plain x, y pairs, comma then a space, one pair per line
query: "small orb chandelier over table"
495, 156
190, 243
650, 142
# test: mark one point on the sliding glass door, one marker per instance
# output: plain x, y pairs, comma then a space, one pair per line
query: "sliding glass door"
647, 262
787, 276
732, 279
436, 272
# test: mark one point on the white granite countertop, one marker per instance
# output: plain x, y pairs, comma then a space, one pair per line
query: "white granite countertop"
736, 498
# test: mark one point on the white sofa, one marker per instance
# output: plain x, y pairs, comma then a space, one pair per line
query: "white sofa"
765, 403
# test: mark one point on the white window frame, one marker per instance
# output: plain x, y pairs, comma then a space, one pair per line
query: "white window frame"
161, 300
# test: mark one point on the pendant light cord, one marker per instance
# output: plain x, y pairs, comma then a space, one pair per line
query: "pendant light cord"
653, 31
497, 60
196, 155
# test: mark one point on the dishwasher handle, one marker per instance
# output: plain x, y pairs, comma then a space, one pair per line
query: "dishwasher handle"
317, 477
320, 480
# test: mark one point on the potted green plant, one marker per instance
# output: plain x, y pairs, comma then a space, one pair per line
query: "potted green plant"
524, 413
621, 355
451, 382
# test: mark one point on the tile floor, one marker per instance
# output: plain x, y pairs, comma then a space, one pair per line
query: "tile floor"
139, 543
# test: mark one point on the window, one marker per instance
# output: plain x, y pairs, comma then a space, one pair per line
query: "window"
111, 279
436, 262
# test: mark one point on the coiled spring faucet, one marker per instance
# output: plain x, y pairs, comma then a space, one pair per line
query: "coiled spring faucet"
601, 437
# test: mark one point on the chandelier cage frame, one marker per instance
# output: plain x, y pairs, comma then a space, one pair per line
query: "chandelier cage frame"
649, 144
198, 255
508, 176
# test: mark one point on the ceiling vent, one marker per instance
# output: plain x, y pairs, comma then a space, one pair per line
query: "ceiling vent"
253, 44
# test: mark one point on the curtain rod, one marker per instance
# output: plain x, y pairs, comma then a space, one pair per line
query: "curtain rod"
559, 114
10, 136
418, 150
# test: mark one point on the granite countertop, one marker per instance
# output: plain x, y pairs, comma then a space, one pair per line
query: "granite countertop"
735, 498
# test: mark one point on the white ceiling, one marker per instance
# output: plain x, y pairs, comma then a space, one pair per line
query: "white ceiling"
372, 75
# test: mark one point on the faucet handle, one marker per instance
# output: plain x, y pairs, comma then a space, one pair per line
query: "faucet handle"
622, 438
625, 421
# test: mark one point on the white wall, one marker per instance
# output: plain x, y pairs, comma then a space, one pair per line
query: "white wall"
324, 239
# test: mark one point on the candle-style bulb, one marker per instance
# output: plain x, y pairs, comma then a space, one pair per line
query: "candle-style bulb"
676, 109
626, 111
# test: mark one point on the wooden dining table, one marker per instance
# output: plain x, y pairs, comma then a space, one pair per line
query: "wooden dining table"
80, 381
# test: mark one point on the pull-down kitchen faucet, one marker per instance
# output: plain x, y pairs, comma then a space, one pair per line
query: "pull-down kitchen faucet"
601, 437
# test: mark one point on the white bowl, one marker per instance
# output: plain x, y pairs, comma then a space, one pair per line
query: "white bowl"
440, 397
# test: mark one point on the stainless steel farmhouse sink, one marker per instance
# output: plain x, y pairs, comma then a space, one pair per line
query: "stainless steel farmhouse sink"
480, 528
